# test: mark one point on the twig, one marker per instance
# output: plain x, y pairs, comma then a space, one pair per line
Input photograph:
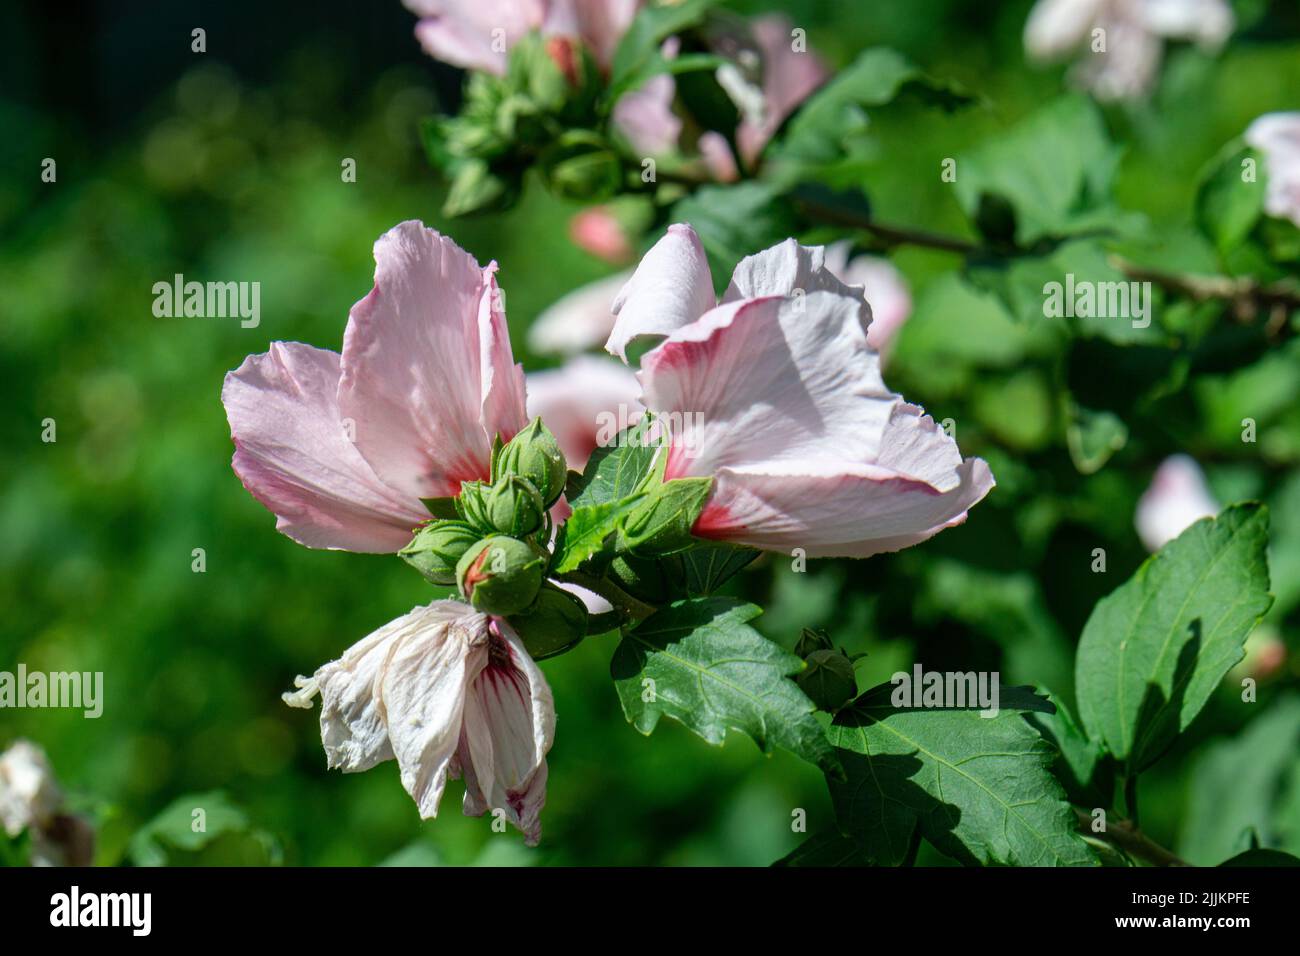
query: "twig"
1126, 836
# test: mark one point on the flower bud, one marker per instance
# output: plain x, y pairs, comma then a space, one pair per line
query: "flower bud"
534, 454
812, 639
501, 575
582, 166
554, 623
662, 523
511, 506
437, 547
828, 680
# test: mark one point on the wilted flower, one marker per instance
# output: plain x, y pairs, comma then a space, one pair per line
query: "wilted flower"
1133, 33
30, 799
447, 692
478, 34
578, 398
1277, 136
1177, 497
777, 396
342, 448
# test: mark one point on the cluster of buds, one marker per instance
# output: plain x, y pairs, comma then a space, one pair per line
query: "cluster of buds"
497, 549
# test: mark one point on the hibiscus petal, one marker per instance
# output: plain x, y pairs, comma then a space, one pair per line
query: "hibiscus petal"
854, 511
461, 32
293, 454
767, 382
422, 693
670, 288
789, 77
511, 701
1177, 497
1057, 27
789, 269
581, 320
426, 365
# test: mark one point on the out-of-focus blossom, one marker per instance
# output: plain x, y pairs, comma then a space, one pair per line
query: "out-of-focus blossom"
579, 400
1277, 136
597, 230
790, 76
777, 396
884, 287
478, 34
1177, 497
580, 320
341, 448
1133, 31
30, 799
447, 692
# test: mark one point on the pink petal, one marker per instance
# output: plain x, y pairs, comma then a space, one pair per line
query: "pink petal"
769, 382
1277, 136
582, 401
718, 157
788, 269
789, 78
670, 288
883, 286
460, 32
597, 230
428, 376
1056, 28
854, 511
581, 320
599, 23
646, 119
1177, 497
293, 454
509, 727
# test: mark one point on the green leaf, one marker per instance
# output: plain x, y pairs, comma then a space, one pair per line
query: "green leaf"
736, 221
1237, 787
980, 789
826, 849
200, 822
708, 567
1093, 437
441, 508
699, 662
1087, 775
1227, 207
661, 523
637, 57
1052, 173
1262, 857
616, 470
1154, 649
588, 529
818, 133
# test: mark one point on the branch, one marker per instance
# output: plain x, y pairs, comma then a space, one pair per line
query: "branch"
629, 608
1127, 837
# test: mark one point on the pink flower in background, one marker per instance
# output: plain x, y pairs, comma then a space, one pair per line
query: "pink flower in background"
447, 692
1134, 32
341, 448
575, 399
598, 231
1277, 136
789, 77
884, 288
779, 399
478, 34
31, 801
1177, 497
578, 321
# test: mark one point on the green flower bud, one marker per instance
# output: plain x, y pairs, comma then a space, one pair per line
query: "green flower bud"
828, 680
554, 623
582, 166
501, 575
662, 523
535, 454
510, 506
437, 547
810, 640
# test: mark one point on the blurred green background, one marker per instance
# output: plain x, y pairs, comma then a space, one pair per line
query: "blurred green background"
226, 165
